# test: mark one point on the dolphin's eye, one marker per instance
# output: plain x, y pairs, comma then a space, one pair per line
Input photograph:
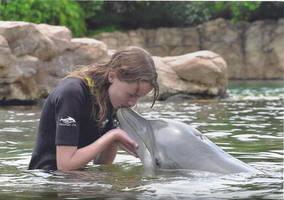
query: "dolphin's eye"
157, 163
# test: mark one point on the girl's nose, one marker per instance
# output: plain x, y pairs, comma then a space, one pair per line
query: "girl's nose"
132, 102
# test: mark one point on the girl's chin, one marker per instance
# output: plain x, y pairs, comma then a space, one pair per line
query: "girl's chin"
120, 106
116, 107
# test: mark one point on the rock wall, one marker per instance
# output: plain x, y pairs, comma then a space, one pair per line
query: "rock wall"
252, 50
34, 58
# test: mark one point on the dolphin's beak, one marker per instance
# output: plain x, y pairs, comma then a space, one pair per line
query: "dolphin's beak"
129, 116
129, 120
139, 130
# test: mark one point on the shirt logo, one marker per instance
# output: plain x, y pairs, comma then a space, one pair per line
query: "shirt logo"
104, 123
67, 121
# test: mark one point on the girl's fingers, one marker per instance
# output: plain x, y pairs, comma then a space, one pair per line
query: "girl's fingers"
129, 149
131, 141
125, 142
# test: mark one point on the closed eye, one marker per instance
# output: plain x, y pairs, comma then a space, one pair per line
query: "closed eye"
133, 95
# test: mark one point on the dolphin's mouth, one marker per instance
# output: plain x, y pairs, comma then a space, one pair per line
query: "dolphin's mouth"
120, 115
123, 119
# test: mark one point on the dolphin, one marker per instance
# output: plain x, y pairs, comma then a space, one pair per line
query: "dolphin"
169, 144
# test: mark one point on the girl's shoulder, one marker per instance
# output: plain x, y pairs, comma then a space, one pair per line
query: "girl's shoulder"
71, 88
72, 85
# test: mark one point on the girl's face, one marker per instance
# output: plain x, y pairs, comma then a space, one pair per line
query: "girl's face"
124, 94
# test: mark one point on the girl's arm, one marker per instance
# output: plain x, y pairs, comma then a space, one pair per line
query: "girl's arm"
108, 155
70, 157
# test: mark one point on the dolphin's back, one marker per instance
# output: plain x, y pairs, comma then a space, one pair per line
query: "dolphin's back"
179, 145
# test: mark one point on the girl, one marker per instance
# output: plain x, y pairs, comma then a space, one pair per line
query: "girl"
77, 120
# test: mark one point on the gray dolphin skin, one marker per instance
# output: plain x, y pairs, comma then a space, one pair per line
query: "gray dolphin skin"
168, 144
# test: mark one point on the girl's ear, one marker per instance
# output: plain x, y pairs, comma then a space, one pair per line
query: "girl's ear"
111, 76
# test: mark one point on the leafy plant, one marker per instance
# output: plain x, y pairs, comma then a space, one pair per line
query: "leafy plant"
63, 12
153, 14
238, 10
95, 16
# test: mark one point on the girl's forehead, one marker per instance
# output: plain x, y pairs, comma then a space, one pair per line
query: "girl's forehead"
138, 88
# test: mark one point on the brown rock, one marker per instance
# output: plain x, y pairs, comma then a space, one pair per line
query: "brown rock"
25, 38
161, 42
203, 68
223, 38
264, 50
34, 58
60, 35
85, 51
89, 50
169, 82
9, 71
252, 51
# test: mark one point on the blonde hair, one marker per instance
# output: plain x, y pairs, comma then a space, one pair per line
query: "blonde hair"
132, 64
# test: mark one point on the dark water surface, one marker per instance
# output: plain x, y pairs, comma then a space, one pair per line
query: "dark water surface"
248, 125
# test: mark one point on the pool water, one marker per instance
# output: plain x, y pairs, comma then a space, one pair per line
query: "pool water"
248, 125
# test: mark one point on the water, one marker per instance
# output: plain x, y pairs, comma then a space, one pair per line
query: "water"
248, 125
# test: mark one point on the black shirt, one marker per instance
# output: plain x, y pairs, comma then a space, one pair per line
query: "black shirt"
65, 120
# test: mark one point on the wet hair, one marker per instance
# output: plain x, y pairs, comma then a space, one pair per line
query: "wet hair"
131, 64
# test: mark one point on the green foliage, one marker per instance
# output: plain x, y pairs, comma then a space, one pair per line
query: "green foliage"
63, 12
153, 14
198, 12
96, 16
239, 10
145, 14
90, 7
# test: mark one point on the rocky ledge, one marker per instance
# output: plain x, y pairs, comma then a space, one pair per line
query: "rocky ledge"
35, 57
252, 50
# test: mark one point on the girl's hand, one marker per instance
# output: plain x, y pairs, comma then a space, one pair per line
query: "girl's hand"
125, 142
70, 157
